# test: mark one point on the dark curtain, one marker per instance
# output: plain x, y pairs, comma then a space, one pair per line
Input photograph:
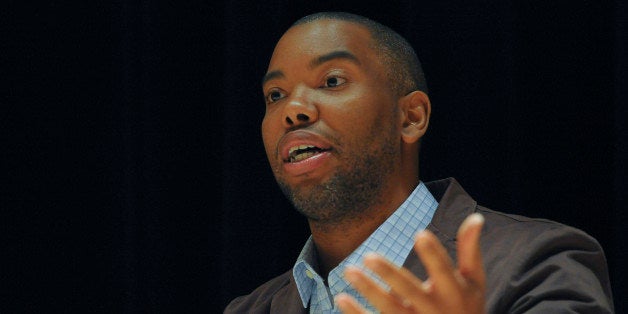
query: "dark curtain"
134, 179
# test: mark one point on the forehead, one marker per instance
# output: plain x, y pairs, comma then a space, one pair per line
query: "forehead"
320, 37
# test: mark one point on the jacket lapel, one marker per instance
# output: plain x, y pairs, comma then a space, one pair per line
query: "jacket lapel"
454, 205
288, 300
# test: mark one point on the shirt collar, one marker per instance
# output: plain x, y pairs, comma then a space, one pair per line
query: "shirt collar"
393, 239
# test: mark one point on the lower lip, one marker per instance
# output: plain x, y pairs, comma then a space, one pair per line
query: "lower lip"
306, 165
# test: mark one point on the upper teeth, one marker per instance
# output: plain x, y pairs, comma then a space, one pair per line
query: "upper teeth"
300, 147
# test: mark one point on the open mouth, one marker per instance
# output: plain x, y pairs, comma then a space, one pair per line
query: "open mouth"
302, 152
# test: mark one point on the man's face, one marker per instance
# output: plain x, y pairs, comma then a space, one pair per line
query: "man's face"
331, 128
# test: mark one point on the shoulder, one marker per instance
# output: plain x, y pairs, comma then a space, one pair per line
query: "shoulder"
260, 299
516, 232
512, 241
499, 222
539, 264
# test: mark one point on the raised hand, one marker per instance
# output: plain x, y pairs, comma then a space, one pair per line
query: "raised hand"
447, 290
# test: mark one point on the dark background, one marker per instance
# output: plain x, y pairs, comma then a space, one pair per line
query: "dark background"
133, 175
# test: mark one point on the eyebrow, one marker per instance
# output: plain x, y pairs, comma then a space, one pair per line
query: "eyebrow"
338, 54
272, 75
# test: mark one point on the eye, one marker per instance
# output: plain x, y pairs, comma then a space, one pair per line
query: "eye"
274, 95
334, 81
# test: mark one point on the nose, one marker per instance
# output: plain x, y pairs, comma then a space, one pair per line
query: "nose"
300, 109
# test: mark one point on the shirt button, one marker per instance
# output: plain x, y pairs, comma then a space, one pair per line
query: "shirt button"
309, 274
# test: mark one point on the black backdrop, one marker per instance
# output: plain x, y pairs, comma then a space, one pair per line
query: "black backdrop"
134, 179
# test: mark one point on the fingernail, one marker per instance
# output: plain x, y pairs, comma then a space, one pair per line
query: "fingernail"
472, 220
422, 234
476, 218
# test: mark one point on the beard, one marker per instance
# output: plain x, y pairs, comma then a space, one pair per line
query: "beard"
352, 190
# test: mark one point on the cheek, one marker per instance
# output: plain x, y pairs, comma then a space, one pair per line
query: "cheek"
268, 137
362, 111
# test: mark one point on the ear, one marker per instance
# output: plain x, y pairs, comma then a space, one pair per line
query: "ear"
415, 114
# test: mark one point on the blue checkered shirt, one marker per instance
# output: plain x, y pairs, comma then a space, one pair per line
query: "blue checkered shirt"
393, 239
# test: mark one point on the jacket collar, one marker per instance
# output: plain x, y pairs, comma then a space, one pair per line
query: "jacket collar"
454, 205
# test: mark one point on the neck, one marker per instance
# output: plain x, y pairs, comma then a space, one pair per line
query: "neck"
335, 243
336, 240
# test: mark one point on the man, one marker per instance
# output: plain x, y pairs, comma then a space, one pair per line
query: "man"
346, 108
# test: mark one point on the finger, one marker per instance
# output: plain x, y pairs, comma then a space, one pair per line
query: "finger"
348, 305
400, 279
469, 254
407, 287
372, 291
437, 263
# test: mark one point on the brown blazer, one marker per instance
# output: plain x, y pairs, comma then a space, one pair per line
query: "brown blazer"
532, 265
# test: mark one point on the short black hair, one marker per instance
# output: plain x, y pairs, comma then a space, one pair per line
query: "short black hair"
404, 68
